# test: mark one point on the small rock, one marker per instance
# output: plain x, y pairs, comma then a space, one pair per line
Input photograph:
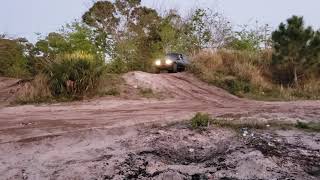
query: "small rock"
191, 150
245, 133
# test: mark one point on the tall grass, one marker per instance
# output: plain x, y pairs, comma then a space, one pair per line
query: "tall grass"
37, 90
238, 72
250, 74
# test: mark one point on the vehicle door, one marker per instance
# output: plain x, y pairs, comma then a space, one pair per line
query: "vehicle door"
185, 60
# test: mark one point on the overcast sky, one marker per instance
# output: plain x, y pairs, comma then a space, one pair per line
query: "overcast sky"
24, 18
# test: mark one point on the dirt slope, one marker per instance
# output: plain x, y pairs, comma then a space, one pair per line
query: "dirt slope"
51, 137
8, 89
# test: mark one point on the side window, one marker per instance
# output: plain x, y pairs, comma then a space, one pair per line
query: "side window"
180, 57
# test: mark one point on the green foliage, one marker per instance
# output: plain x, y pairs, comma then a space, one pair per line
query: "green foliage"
137, 34
251, 39
200, 29
131, 31
75, 74
296, 49
12, 59
74, 37
311, 126
73, 60
200, 120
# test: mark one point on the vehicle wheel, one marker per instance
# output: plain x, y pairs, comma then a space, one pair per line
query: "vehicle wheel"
157, 71
182, 69
174, 68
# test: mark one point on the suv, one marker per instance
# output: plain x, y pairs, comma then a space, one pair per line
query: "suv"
173, 62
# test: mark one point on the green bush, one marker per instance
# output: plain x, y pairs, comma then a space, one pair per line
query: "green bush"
200, 120
13, 63
75, 74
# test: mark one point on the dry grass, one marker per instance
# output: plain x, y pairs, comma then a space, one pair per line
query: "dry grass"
248, 74
233, 70
36, 91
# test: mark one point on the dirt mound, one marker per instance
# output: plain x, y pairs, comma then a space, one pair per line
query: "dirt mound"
8, 89
181, 85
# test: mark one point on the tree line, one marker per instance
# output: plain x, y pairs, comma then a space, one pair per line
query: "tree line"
121, 36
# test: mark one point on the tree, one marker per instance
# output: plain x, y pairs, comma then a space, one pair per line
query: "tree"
130, 29
209, 29
296, 47
200, 28
72, 38
251, 39
13, 62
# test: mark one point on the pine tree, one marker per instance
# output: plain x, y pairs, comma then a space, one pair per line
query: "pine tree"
296, 46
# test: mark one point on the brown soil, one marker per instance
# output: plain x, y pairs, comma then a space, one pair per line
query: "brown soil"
9, 87
98, 139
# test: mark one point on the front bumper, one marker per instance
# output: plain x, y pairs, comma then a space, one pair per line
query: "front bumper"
165, 67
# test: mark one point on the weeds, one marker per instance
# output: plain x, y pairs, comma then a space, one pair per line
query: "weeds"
112, 92
147, 92
200, 120
203, 120
311, 126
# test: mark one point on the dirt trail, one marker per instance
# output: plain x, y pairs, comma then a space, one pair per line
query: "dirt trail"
78, 128
190, 96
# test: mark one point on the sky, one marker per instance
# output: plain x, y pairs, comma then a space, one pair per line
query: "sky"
25, 18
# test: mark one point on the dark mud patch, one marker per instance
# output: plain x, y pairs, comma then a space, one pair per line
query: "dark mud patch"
294, 151
180, 153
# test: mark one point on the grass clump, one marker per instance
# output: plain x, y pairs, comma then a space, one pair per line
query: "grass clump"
200, 120
311, 126
147, 93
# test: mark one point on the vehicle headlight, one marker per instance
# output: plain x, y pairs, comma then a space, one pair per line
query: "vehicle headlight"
169, 62
158, 63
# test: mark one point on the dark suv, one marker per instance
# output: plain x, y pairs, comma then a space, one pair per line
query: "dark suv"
172, 62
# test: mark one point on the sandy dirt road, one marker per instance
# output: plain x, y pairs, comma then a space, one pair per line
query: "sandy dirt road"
189, 96
77, 128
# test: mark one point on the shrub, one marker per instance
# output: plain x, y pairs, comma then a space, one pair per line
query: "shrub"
13, 63
74, 74
200, 120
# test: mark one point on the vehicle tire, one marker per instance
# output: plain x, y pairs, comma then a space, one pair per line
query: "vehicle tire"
174, 68
182, 69
157, 71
